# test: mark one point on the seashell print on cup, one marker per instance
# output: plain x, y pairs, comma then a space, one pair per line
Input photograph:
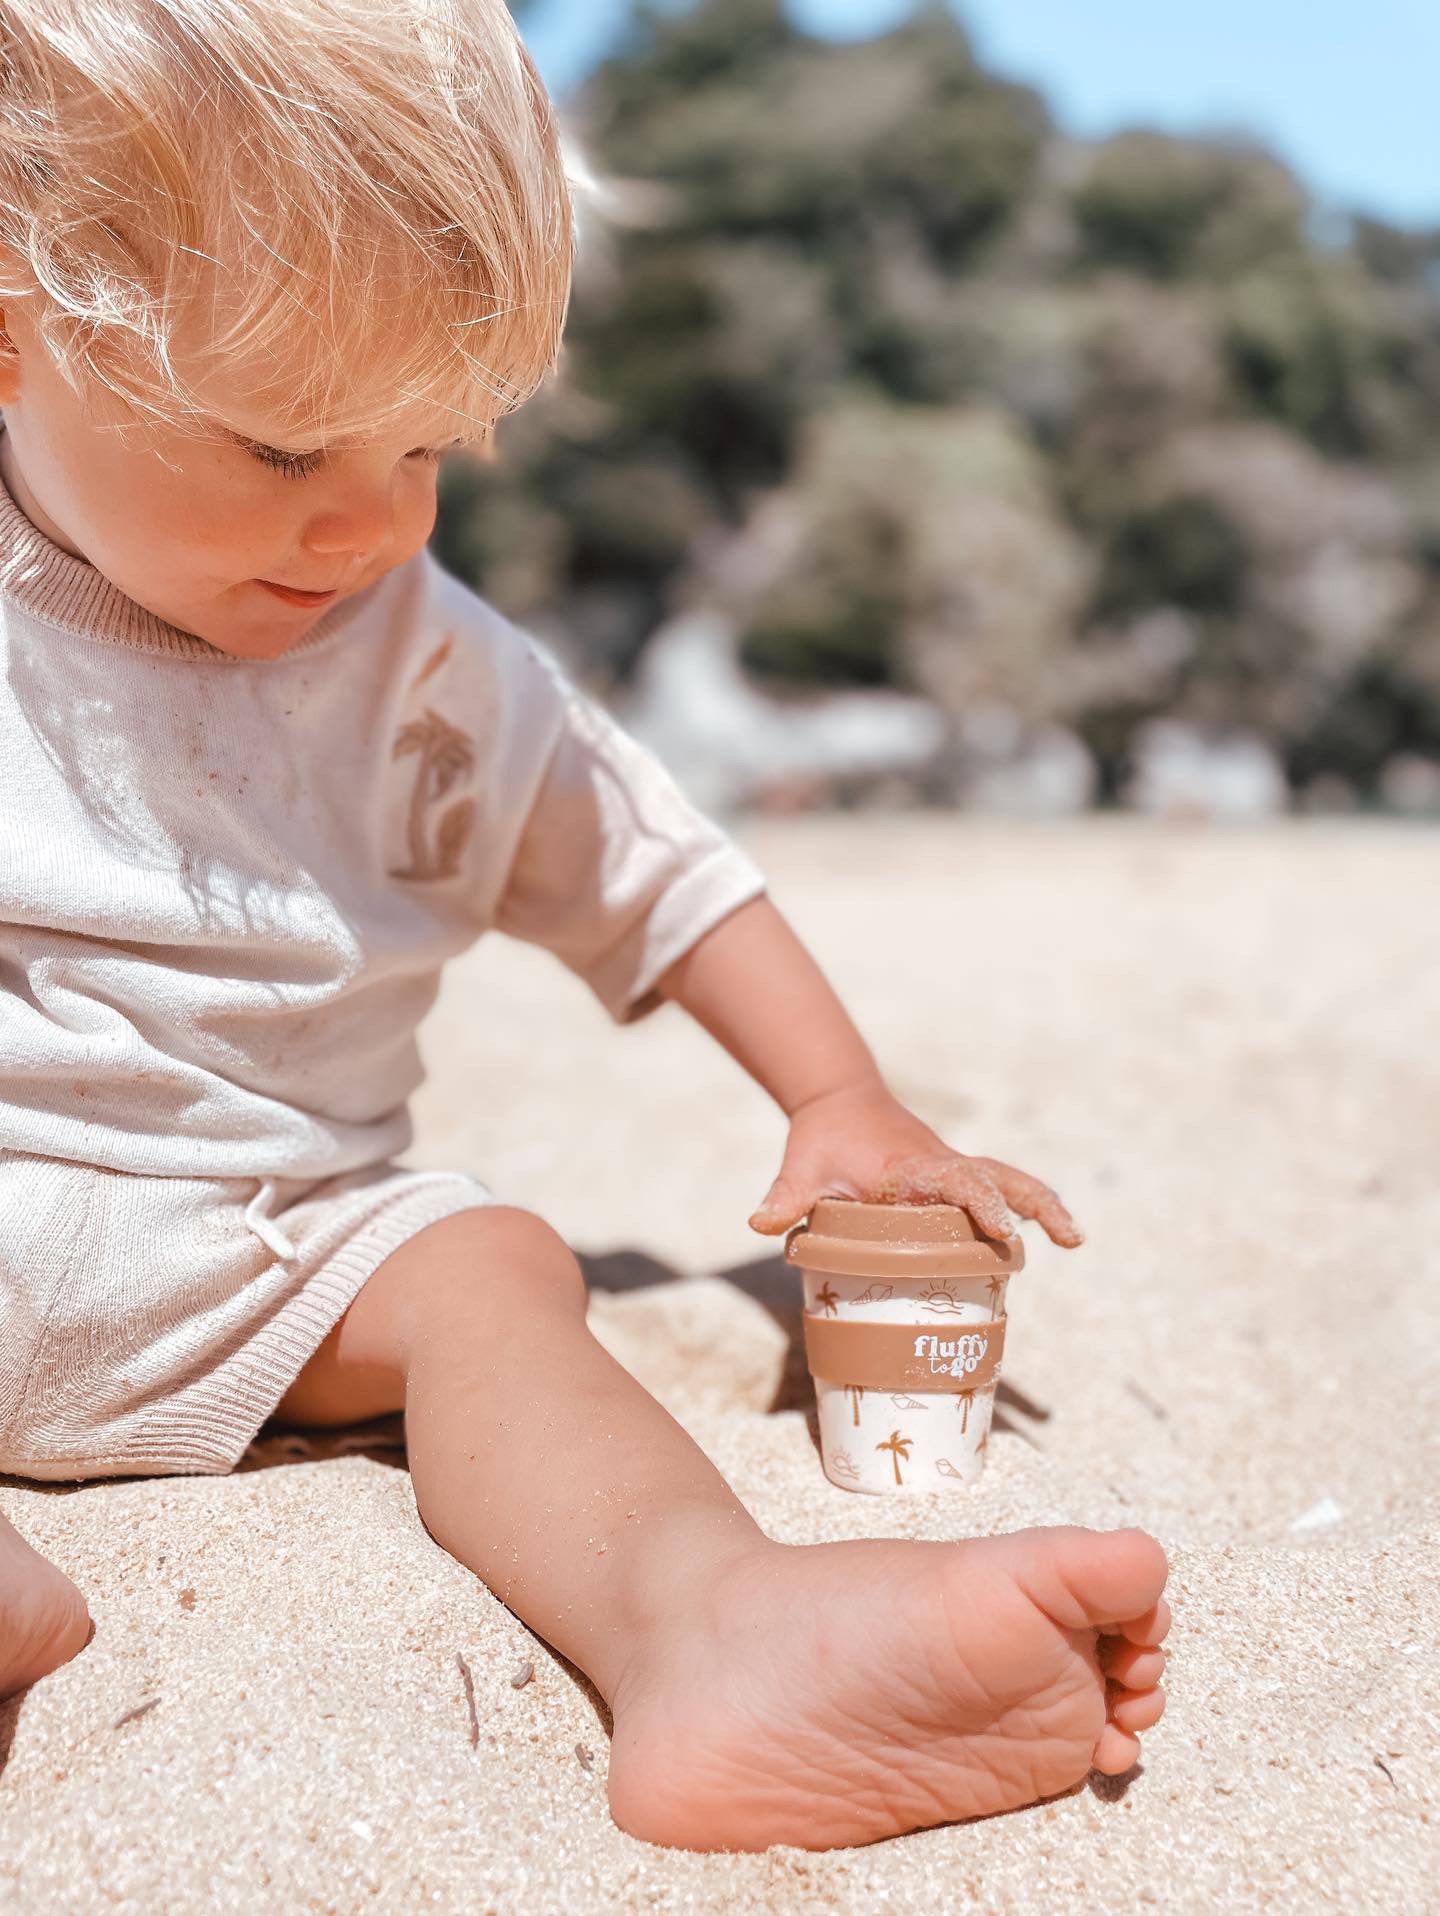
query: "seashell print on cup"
904, 1330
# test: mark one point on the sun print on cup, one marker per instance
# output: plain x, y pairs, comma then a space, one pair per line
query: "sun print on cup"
940, 1297
898, 1447
842, 1464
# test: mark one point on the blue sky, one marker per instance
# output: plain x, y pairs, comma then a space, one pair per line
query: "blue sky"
1346, 93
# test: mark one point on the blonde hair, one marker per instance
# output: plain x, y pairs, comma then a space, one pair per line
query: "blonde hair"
351, 206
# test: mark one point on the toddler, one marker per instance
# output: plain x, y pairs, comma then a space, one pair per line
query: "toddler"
264, 767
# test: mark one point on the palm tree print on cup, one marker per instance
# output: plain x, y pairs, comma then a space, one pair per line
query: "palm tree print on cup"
855, 1392
827, 1300
965, 1398
445, 753
996, 1288
898, 1447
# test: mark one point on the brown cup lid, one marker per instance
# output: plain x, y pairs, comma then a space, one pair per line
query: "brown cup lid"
889, 1240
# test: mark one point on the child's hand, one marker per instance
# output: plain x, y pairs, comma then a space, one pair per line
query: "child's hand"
862, 1143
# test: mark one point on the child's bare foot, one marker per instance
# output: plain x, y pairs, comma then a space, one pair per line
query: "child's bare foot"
832, 1694
43, 1618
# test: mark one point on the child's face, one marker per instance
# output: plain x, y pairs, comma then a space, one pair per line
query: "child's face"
187, 524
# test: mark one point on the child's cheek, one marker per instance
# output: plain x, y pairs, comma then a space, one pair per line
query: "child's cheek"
226, 523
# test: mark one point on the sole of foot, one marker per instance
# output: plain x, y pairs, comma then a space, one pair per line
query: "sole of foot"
826, 1695
43, 1618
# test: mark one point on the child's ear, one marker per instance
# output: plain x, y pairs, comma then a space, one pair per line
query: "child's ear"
481, 450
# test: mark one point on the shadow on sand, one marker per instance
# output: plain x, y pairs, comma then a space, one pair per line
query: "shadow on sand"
769, 1281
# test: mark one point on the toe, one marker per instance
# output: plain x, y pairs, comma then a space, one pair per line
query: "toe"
1131, 1664
1135, 1710
52, 1638
1151, 1628
1116, 1751
1100, 1579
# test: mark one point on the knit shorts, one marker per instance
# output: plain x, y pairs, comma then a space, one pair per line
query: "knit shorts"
150, 1325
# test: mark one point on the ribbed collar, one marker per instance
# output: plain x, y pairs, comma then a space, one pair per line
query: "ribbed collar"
54, 585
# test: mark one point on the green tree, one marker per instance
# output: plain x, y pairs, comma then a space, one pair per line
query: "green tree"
932, 376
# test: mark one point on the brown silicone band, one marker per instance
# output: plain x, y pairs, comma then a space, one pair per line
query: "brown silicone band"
904, 1356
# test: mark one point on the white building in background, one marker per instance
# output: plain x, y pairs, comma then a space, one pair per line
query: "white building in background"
726, 743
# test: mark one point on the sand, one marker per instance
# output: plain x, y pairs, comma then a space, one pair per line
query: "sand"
1221, 1047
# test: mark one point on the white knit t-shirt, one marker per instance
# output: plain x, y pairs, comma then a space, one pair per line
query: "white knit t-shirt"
227, 886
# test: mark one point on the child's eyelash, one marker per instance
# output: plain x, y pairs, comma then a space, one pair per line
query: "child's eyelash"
292, 465
299, 465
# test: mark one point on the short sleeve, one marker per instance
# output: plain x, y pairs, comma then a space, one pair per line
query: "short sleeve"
616, 872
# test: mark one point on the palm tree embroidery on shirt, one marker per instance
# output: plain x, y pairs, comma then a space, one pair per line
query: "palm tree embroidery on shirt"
445, 754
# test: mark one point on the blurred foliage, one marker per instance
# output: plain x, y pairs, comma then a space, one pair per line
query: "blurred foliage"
926, 395
1172, 209
1182, 552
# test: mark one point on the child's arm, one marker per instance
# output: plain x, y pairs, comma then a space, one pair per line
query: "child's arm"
756, 989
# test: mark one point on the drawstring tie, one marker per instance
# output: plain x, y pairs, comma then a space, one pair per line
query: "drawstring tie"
268, 1233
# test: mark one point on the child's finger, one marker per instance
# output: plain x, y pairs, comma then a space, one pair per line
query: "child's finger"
785, 1204
1033, 1199
978, 1194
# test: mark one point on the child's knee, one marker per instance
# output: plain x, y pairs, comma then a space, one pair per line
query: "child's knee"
465, 1269
512, 1245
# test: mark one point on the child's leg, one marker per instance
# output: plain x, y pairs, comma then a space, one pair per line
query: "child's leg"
43, 1619
820, 1694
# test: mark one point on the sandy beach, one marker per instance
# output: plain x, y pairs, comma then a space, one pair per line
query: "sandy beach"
1221, 1047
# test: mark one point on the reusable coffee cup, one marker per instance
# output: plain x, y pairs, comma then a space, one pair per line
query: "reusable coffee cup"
904, 1332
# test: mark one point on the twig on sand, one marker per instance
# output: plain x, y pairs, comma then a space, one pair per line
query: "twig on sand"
522, 1676
1388, 1775
469, 1682
587, 1761
139, 1710
1157, 1411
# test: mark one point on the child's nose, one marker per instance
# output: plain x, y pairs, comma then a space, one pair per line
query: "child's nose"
363, 522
